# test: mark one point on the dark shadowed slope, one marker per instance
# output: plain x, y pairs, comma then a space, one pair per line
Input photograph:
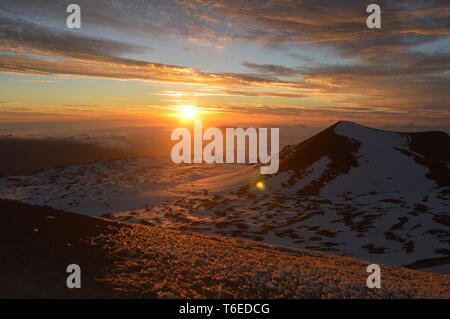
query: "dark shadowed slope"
25, 156
38, 243
340, 151
121, 260
432, 150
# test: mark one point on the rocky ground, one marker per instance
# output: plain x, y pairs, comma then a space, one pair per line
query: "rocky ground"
124, 260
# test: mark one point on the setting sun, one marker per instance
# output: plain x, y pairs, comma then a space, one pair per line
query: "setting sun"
188, 111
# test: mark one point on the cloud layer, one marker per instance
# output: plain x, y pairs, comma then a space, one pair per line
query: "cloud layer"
402, 69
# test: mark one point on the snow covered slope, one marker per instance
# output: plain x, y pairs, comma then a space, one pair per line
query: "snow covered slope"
364, 160
107, 186
349, 190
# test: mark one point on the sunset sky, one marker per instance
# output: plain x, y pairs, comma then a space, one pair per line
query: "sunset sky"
294, 62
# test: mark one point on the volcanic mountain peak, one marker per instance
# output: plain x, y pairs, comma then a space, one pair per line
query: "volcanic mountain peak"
366, 134
361, 160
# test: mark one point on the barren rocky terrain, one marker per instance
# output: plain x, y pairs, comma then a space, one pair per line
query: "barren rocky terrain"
125, 260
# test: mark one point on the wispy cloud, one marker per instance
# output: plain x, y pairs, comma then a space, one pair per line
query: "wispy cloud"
385, 73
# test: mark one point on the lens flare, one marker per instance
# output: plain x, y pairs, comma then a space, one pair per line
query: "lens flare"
260, 185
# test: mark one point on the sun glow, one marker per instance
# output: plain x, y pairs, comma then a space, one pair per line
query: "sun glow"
188, 112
